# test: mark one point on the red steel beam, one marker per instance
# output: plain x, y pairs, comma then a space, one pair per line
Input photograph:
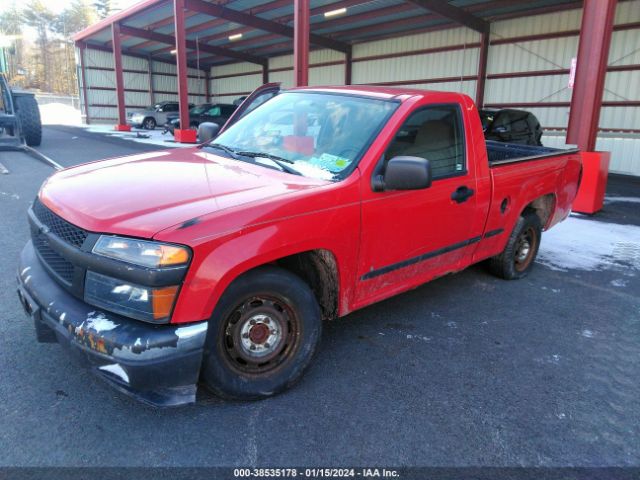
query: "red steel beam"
191, 44
301, 43
82, 46
593, 53
117, 63
260, 23
181, 63
482, 68
207, 85
152, 96
348, 63
214, 23
453, 13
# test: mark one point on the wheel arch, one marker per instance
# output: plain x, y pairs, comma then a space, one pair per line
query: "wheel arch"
544, 206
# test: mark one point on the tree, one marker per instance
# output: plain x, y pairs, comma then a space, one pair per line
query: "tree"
37, 15
11, 26
102, 7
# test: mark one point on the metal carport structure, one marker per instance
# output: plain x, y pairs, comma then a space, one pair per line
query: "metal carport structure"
208, 36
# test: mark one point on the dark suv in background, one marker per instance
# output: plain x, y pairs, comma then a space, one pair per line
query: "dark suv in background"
207, 112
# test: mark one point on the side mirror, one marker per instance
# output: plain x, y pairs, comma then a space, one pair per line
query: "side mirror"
404, 173
207, 131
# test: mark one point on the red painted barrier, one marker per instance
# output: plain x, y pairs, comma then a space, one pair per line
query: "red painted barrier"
595, 168
185, 136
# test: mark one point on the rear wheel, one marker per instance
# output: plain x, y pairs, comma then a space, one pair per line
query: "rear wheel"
29, 114
262, 336
517, 258
149, 123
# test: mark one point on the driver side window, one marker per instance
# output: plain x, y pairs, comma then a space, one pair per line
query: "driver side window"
434, 133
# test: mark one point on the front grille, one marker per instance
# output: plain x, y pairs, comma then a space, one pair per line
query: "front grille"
58, 226
62, 267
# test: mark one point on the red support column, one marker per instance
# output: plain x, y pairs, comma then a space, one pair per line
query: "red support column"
593, 53
207, 85
85, 102
348, 59
117, 60
482, 68
301, 43
182, 134
152, 96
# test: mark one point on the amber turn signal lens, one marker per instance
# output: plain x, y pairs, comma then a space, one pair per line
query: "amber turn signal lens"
170, 255
162, 301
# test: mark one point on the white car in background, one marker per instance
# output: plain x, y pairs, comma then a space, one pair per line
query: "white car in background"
153, 116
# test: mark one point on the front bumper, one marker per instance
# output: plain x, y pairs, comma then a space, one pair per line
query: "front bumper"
159, 365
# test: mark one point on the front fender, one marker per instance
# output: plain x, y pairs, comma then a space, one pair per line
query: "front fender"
218, 262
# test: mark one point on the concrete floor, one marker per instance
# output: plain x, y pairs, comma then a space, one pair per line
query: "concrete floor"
468, 370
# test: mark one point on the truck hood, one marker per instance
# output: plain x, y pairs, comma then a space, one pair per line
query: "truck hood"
140, 195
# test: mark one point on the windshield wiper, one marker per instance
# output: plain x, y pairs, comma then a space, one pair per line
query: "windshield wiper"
224, 148
280, 161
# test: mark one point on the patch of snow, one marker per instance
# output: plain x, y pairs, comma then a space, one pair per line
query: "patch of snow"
582, 244
59, 114
619, 283
622, 199
116, 369
587, 333
419, 337
155, 137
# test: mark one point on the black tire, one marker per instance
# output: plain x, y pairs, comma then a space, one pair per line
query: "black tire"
239, 361
149, 123
518, 257
29, 114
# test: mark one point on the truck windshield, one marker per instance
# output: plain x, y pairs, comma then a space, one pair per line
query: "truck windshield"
318, 135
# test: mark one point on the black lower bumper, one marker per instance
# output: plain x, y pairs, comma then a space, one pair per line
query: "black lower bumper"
159, 365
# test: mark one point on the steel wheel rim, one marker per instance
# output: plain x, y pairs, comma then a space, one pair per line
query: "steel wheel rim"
148, 124
260, 335
525, 249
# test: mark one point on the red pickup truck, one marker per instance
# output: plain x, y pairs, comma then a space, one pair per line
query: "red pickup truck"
218, 263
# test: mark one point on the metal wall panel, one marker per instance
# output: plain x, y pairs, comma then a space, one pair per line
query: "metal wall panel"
328, 75
454, 36
245, 83
549, 54
417, 67
98, 58
625, 150
537, 24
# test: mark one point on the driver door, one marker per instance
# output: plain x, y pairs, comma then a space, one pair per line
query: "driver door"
412, 236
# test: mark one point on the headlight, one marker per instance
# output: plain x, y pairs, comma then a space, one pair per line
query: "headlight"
128, 299
142, 252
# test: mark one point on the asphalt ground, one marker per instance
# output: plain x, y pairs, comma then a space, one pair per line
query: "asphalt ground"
468, 370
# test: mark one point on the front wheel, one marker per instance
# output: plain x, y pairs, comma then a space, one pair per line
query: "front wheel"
517, 258
262, 335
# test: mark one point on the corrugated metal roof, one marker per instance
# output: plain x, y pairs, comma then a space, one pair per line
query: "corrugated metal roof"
362, 20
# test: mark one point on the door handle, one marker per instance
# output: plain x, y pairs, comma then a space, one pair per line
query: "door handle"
462, 194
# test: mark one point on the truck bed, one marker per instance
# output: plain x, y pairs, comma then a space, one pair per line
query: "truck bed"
500, 153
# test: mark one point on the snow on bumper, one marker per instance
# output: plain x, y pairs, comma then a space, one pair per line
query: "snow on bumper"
159, 365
